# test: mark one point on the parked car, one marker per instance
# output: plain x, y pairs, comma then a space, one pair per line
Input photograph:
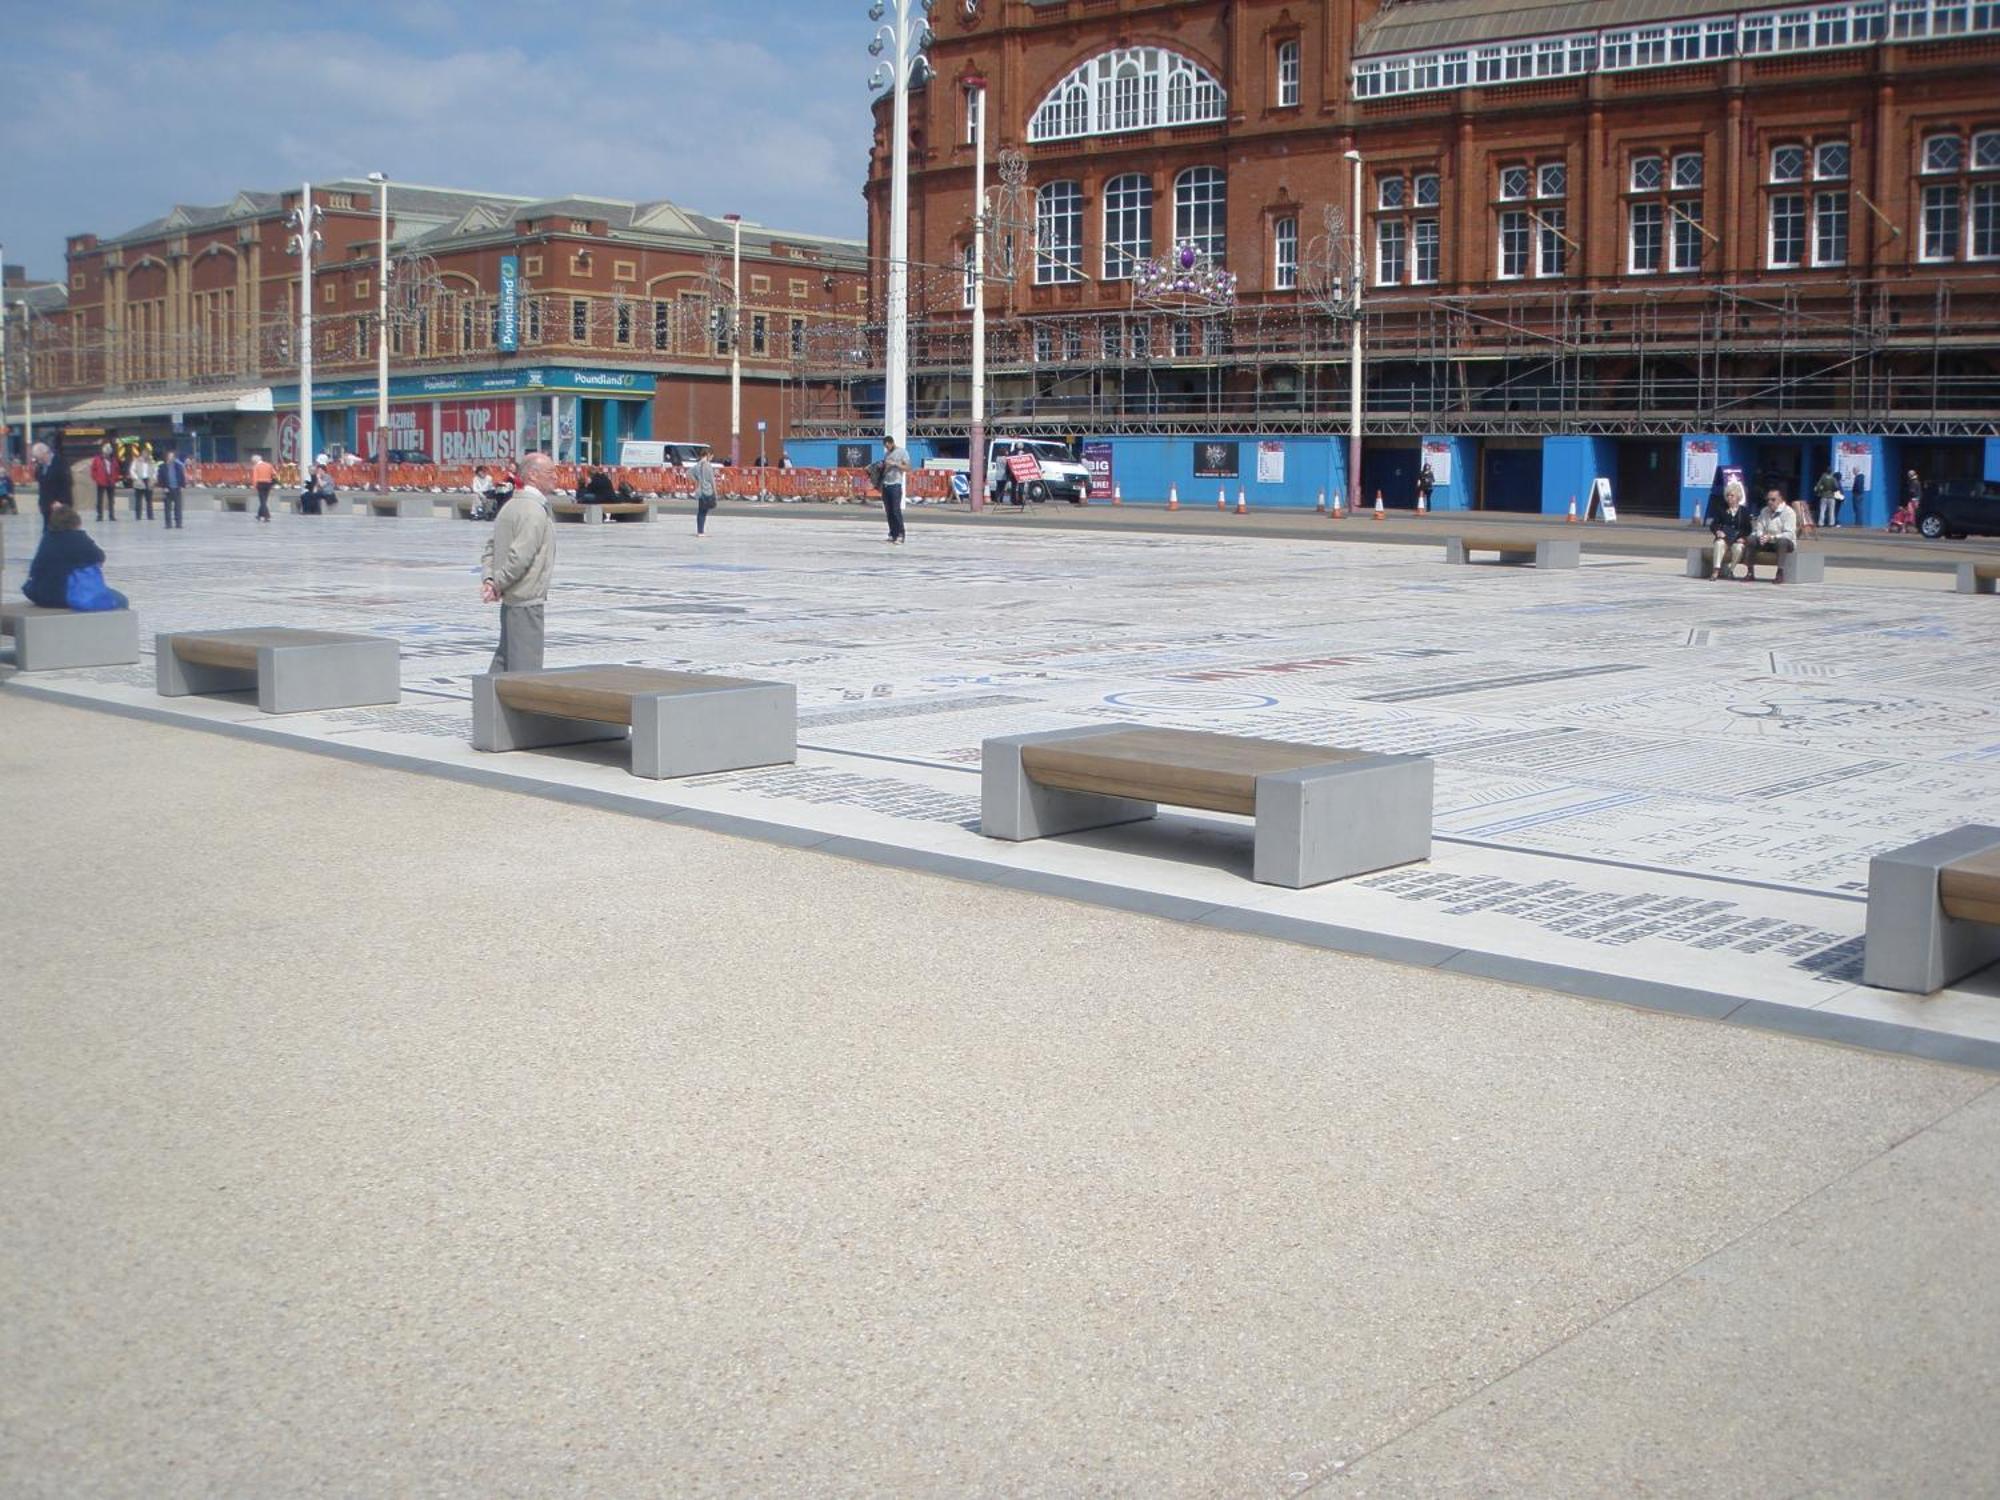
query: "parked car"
1960, 507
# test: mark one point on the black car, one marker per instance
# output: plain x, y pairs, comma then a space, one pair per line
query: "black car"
1960, 507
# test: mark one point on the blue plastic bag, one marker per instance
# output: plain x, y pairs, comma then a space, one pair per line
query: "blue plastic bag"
87, 591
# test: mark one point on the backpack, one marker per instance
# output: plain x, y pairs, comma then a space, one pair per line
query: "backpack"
875, 474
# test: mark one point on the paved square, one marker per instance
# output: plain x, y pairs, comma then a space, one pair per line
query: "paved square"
1649, 787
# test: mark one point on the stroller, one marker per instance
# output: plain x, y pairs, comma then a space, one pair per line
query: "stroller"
487, 506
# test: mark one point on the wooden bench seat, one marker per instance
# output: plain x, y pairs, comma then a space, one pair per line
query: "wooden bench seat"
291, 671
51, 640
681, 723
1321, 814
1933, 910
594, 513
1807, 566
406, 507
1545, 552
1978, 577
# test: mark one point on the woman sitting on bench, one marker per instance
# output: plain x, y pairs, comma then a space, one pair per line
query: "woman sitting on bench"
66, 551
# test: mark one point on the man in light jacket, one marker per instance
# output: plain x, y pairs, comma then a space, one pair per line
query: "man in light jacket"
704, 492
1777, 529
520, 556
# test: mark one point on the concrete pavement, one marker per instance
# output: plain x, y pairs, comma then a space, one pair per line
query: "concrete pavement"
368, 1133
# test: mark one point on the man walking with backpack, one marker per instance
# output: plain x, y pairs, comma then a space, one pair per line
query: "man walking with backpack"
704, 492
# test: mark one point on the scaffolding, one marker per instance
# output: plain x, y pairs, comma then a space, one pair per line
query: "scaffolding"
1907, 357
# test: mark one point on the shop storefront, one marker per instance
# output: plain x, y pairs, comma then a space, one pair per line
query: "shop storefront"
489, 417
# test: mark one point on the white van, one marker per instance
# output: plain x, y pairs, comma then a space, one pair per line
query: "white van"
1063, 476
639, 453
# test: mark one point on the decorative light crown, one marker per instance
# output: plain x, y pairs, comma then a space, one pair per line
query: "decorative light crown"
1187, 280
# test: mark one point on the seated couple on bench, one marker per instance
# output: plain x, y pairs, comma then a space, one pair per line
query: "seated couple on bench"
1740, 535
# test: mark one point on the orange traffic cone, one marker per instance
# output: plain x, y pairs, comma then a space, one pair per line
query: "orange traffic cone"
1173, 497
1378, 505
1423, 504
1117, 495
1320, 505
1221, 497
1572, 510
1339, 504
1241, 506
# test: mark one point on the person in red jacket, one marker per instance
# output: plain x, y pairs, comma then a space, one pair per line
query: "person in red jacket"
104, 474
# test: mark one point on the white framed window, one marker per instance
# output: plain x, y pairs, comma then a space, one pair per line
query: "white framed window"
1687, 170
1424, 251
1285, 254
1134, 88
1058, 233
1794, 30
1391, 252
1684, 41
1513, 244
1986, 143
1426, 193
1513, 184
1830, 161
1045, 344
1830, 229
1788, 164
1983, 222
1647, 174
1687, 236
1785, 245
968, 281
663, 324
1201, 210
971, 98
1551, 249
1390, 192
1941, 223
1943, 153
798, 338
1182, 338
1288, 74
1642, 251
1551, 180
1128, 225
579, 321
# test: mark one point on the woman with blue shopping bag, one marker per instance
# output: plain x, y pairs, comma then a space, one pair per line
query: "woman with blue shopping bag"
68, 568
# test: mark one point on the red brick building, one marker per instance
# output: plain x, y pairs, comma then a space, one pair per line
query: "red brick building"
619, 329
1594, 230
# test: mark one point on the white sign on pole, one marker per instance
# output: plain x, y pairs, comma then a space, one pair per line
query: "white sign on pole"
1852, 462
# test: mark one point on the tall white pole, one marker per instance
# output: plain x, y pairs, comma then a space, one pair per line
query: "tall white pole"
976, 450
381, 181
897, 395
1354, 354
735, 341
305, 333
6, 436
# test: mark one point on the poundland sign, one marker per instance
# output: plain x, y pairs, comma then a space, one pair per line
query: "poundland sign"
510, 304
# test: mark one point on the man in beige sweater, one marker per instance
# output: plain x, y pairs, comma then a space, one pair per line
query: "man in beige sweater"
520, 556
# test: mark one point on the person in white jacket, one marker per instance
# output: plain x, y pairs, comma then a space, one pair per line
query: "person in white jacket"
1778, 529
140, 476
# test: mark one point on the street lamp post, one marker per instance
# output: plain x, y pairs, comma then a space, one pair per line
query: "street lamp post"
381, 182
735, 223
1354, 353
305, 238
976, 448
6, 436
905, 40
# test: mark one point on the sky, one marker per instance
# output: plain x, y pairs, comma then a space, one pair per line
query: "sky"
115, 110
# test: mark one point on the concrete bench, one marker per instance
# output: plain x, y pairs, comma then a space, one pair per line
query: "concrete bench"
239, 503
1321, 814
406, 507
681, 723
1933, 910
594, 513
48, 640
292, 671
1806, 567
1978, 577
1548, 552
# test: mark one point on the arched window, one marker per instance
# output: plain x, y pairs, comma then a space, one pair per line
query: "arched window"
1201, 211
1135, 88
1058, 233
1128, 225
